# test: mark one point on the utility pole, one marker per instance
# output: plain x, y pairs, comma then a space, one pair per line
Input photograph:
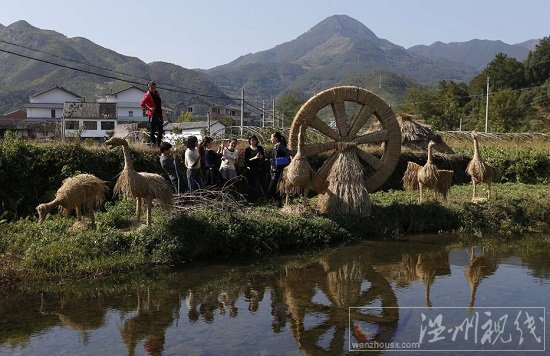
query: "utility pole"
263, 113
487, 109
242, 111
208, 123
380, 82
273, 105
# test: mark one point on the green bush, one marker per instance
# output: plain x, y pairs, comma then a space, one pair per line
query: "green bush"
31, 173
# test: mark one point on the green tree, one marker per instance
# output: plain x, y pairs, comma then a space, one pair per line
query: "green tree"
503, 72
420, 101
505, 111
185, 117
538, 63
289, 104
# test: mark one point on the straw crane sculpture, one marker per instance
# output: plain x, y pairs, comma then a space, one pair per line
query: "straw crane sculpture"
481, 171
428, 176
77, 192
142, 186
298, 177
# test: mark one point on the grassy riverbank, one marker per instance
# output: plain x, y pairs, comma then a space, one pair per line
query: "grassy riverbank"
59, 249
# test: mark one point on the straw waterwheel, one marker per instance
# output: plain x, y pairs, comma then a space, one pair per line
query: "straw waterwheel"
352, 108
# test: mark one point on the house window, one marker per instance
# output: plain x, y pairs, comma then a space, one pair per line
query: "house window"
71, 125
90, 125
233, 113
52, 113
108, 125
190, 109
246, 114
131, 113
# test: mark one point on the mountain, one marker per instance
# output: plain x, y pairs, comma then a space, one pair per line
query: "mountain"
530, 44
476, 53
22, 77
337, 48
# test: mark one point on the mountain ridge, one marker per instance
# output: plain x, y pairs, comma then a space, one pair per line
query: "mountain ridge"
337, 50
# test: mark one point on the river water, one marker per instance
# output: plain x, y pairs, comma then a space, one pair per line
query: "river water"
428, 293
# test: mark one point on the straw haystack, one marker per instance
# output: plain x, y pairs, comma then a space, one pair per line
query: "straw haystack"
140, 185
346, 193
416, 135
81, 191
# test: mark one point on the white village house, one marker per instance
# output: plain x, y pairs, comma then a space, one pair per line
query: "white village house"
182, 130
127, 104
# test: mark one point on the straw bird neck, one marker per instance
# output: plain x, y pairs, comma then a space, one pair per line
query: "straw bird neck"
127, 158
477, 155
429, 153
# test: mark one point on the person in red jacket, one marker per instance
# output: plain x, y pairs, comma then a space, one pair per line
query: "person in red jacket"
152, 104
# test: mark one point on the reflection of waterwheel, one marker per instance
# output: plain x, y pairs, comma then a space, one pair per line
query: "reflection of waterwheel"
319, 300
347, 135
343, 289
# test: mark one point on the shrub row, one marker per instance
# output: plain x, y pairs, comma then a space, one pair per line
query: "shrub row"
57, 247
30, 173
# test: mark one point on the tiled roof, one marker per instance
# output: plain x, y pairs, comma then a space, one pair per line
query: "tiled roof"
56, 87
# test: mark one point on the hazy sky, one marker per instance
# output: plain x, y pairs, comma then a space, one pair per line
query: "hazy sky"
207, 33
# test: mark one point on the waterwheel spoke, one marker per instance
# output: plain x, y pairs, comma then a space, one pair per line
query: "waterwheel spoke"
369, 159
323, 128
316, 148
327, 165
318, 330
364, 114
339, 110
337, 342
372, 137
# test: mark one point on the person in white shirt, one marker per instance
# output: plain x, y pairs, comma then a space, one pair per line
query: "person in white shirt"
229, 156
193, 164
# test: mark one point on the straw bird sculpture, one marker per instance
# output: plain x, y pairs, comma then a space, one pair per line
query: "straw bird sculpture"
481, 171
81, 191
142, 186
428, 176
298, 177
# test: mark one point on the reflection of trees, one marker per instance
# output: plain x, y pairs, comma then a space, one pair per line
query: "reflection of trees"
340, 278
478, 268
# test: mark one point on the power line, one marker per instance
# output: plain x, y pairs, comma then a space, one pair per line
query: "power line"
177, 90
71, 60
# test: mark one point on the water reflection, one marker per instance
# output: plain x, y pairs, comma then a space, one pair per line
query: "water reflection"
307, 304
339, 279
479, 267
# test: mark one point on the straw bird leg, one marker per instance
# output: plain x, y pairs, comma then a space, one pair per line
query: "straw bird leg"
78, 213
420, 198
148, 204
138, 210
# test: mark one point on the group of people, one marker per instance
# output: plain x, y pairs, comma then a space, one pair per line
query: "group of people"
210, 166
207, 165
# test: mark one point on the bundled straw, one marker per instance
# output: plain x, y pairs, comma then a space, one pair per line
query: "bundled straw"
416, 135
346, 193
